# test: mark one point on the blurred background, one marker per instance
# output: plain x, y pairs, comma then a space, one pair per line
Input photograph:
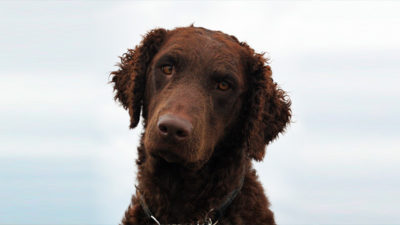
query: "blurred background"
67, 155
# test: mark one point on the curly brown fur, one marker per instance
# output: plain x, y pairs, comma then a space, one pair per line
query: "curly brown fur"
184, 173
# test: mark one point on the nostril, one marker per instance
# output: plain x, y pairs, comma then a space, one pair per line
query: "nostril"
163, 128
181, 133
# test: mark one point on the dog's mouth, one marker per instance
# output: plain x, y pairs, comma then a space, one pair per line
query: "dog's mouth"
167, 156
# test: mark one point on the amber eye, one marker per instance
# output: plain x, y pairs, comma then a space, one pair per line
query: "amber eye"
223, 86
167, 69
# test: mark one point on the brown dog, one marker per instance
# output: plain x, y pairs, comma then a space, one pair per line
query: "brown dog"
209, 107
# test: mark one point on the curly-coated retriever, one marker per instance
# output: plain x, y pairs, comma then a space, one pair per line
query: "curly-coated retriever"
209, 107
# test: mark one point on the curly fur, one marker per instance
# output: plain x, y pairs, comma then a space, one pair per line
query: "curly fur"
177, 194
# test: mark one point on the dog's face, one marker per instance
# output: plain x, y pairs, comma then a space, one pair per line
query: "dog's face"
195, 85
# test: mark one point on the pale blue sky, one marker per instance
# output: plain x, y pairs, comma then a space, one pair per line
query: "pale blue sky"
67, 155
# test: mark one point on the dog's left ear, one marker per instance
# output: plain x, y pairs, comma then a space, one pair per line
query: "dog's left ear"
268, 105
130, 80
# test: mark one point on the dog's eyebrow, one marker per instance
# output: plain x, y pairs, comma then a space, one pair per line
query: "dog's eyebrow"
226, 73
222, 67
223, 70
173, 55
173, 50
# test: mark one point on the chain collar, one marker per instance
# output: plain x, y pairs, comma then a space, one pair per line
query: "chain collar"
217, 214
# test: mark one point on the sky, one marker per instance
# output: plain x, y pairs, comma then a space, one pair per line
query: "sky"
67, 154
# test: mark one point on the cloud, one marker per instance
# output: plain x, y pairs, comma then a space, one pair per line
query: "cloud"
66, 147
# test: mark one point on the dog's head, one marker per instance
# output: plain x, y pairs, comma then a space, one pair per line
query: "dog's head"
195, 86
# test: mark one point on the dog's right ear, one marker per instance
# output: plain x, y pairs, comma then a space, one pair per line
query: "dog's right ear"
130, 79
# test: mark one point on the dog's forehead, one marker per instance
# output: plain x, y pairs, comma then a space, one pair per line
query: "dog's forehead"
213, 45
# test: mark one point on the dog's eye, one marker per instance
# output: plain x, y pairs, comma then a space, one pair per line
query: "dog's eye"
223, 86
167, 69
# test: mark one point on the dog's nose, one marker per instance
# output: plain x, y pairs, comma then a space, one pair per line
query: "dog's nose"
173, 127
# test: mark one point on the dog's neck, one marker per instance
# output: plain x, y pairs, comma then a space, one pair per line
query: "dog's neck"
171, 190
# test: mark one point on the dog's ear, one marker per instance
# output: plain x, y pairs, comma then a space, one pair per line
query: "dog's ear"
268, 106
130, 79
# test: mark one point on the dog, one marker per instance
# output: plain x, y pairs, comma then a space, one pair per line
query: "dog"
209, 107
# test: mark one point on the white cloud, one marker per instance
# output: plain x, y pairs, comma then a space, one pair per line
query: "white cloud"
338, 61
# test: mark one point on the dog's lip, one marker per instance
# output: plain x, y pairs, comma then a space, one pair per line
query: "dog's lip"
167, 156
